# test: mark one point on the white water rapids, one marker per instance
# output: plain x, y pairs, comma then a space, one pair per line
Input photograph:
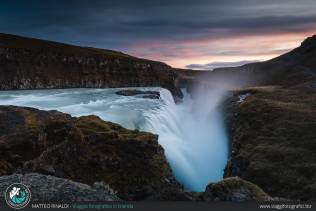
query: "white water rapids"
192, 132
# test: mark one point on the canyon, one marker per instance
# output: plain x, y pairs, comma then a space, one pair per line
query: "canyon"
269, 110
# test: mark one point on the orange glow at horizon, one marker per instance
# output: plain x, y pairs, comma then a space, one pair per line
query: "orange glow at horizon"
204, 51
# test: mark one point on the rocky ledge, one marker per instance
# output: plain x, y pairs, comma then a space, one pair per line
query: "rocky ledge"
144, 94
85, 150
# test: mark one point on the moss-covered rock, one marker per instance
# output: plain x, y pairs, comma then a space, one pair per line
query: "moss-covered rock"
274, 141
86, 150
234, 189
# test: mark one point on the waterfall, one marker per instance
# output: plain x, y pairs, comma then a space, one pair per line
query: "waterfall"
193, 136
192, 132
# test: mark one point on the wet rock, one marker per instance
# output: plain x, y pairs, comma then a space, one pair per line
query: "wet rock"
133, 92
151, 96
86, 150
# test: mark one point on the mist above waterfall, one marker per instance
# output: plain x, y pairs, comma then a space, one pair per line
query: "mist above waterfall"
192, 133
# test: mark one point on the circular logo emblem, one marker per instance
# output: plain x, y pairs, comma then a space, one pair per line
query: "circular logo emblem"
17, 195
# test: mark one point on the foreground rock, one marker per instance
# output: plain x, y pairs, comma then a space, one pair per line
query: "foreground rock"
52, 189
274, 140
89, 150
27, 63
234, 189
85, 150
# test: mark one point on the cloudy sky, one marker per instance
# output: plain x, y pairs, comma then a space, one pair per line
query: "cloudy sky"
200, 34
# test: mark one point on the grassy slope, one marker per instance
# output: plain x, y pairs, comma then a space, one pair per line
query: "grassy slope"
274, 141
12, 41
274, 132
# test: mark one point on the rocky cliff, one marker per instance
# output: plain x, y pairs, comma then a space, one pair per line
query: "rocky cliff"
272, 129
274, 140
27, 63
62, 158
86, 150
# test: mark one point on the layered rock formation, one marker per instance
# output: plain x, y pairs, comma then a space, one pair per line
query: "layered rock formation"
85, 150
36, 64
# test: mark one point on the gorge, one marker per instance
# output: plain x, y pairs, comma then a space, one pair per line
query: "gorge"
192, 134
260, 132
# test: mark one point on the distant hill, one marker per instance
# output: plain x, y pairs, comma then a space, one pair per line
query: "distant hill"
27, 63
294, 67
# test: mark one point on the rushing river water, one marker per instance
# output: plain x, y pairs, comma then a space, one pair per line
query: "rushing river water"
192, 132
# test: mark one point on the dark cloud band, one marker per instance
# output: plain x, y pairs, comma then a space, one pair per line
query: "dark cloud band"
122, 24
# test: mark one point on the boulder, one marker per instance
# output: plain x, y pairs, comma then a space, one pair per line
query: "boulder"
234, 189
46, 188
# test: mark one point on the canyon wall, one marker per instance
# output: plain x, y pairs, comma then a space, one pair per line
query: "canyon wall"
27, 63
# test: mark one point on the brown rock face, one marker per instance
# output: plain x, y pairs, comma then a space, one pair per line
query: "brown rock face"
274, 141
36, 64
85, 150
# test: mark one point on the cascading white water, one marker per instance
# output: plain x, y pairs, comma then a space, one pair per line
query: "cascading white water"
192, 132
193, 136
